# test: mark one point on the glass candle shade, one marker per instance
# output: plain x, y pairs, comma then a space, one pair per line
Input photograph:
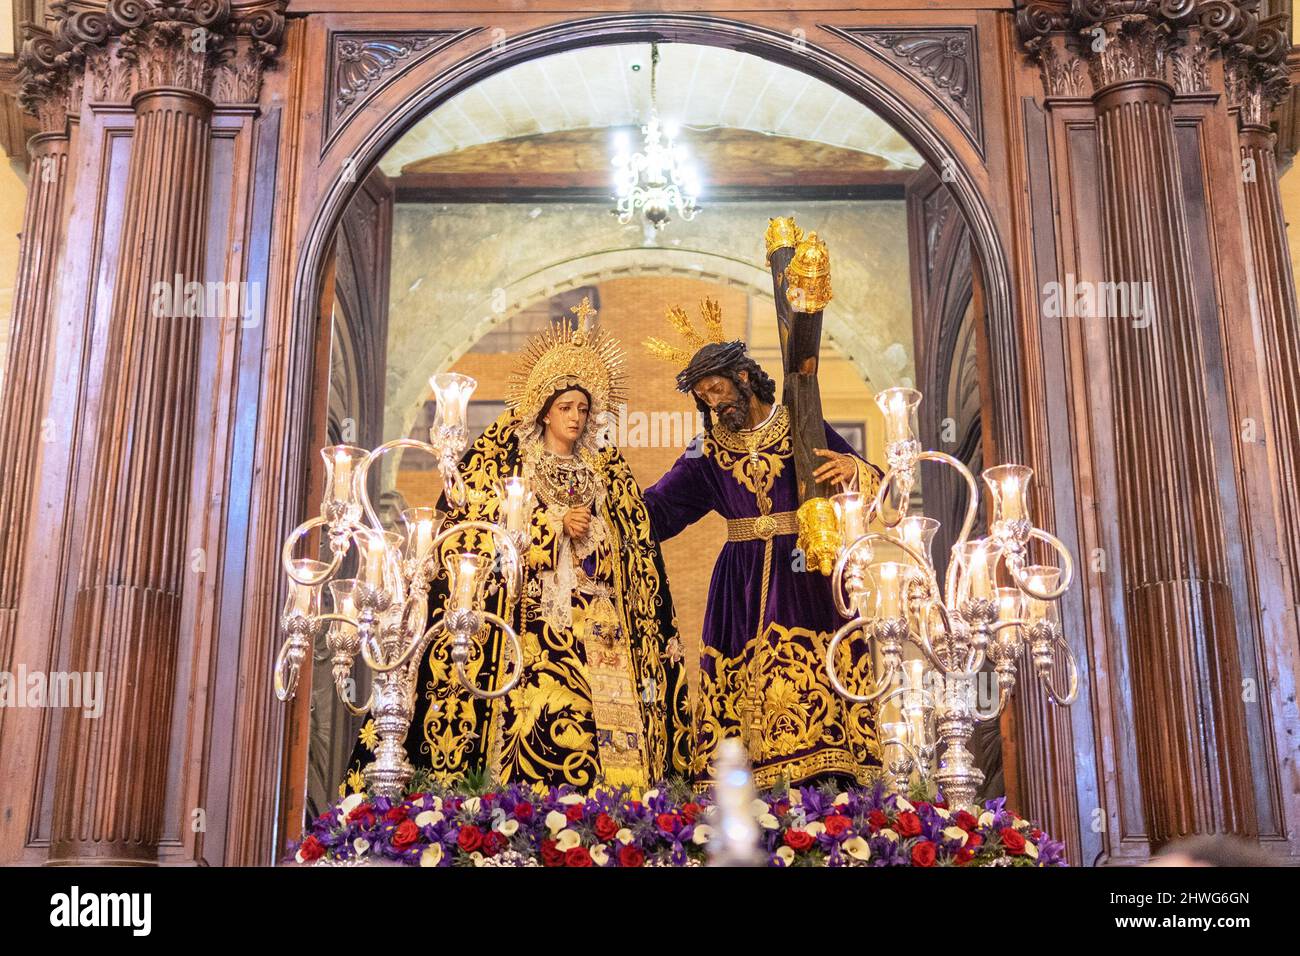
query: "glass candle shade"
917, 532
975, 567
516, 503
1044, 580
466, 571
422, 526
1010, 604
851, 512
888, 579
898, 406
378, 568
895, 732
343, 595
451, 392
1009, 485
303, 600
342, 500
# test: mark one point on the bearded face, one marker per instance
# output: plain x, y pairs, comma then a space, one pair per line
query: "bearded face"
728, 399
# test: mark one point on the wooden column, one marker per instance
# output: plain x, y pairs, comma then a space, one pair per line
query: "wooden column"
1252, 87
51, 94
112, 770
1189, 722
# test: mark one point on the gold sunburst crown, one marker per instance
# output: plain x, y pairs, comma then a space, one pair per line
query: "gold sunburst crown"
695, 339
563, 356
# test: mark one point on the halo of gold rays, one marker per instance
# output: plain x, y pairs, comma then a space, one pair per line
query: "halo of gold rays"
695, 339
563, 355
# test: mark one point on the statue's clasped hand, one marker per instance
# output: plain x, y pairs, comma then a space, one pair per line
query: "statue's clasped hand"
577, 521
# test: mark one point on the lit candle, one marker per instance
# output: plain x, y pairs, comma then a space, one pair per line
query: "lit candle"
851, 509
895, 732
979, 582
344, 597
1009, 484
889, 579
896, 404
373, 560
1043, 580
451, 392
516, 498
914, 671
1012, 503
465, 580
342, 474
1008, 604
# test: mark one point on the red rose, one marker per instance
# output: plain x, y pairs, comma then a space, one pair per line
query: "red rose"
975, 840
630, 856
690, 811
1013, 841
494, 843
798, 839
909, 824
406, 834
667, 822
965, 855
395, 815
469, 839
780, 809
922, 805
634, 806
923, 854
1036, 833
311, 849
941, 804
523, 810
877, 819
489, 797
605, 827
550, 855
837, 824
364, 814
578, 856
573, 812
966, 820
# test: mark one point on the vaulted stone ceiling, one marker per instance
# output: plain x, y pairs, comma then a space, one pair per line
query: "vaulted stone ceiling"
702, 88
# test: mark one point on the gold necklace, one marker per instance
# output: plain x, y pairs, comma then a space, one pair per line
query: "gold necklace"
565, 482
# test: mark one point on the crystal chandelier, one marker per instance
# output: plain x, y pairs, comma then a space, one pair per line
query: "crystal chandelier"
957, 627
657, 181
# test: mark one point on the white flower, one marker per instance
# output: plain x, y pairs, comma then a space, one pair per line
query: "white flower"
942, 812
814, 828
435, 802
986, 818
890, 834
432, 855
472, 805
428, 818
956, 833
857, 848
509, 828
1031, 850
701, 835
769, 822
840, 800
624, 836
599, 855
556, 821
477, 857
573, 798
786, 855
567, 840
904, 805
350, 803
1023, 825
795, 798
360, 845
650, 795
758, 807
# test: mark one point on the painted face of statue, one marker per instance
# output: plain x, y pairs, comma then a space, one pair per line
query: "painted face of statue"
566, 418
728, 401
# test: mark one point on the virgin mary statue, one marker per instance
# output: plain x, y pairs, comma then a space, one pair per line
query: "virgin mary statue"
602, 697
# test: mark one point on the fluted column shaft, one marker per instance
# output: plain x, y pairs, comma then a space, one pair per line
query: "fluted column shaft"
1192, 747
27, 367
126, 619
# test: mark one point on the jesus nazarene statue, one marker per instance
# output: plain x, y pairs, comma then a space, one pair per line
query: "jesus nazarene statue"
768, 621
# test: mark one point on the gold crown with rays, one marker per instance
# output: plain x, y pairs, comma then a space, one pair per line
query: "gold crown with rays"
679, 320
563, 356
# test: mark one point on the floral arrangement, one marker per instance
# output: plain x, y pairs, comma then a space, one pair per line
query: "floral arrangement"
665, 826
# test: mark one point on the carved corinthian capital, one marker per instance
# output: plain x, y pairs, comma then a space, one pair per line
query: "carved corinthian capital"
216, 48
1160, 40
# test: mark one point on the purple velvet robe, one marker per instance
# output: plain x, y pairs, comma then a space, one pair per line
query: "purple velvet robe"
807, 730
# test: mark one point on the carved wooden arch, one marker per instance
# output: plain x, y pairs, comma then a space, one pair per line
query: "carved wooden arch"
904, 100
